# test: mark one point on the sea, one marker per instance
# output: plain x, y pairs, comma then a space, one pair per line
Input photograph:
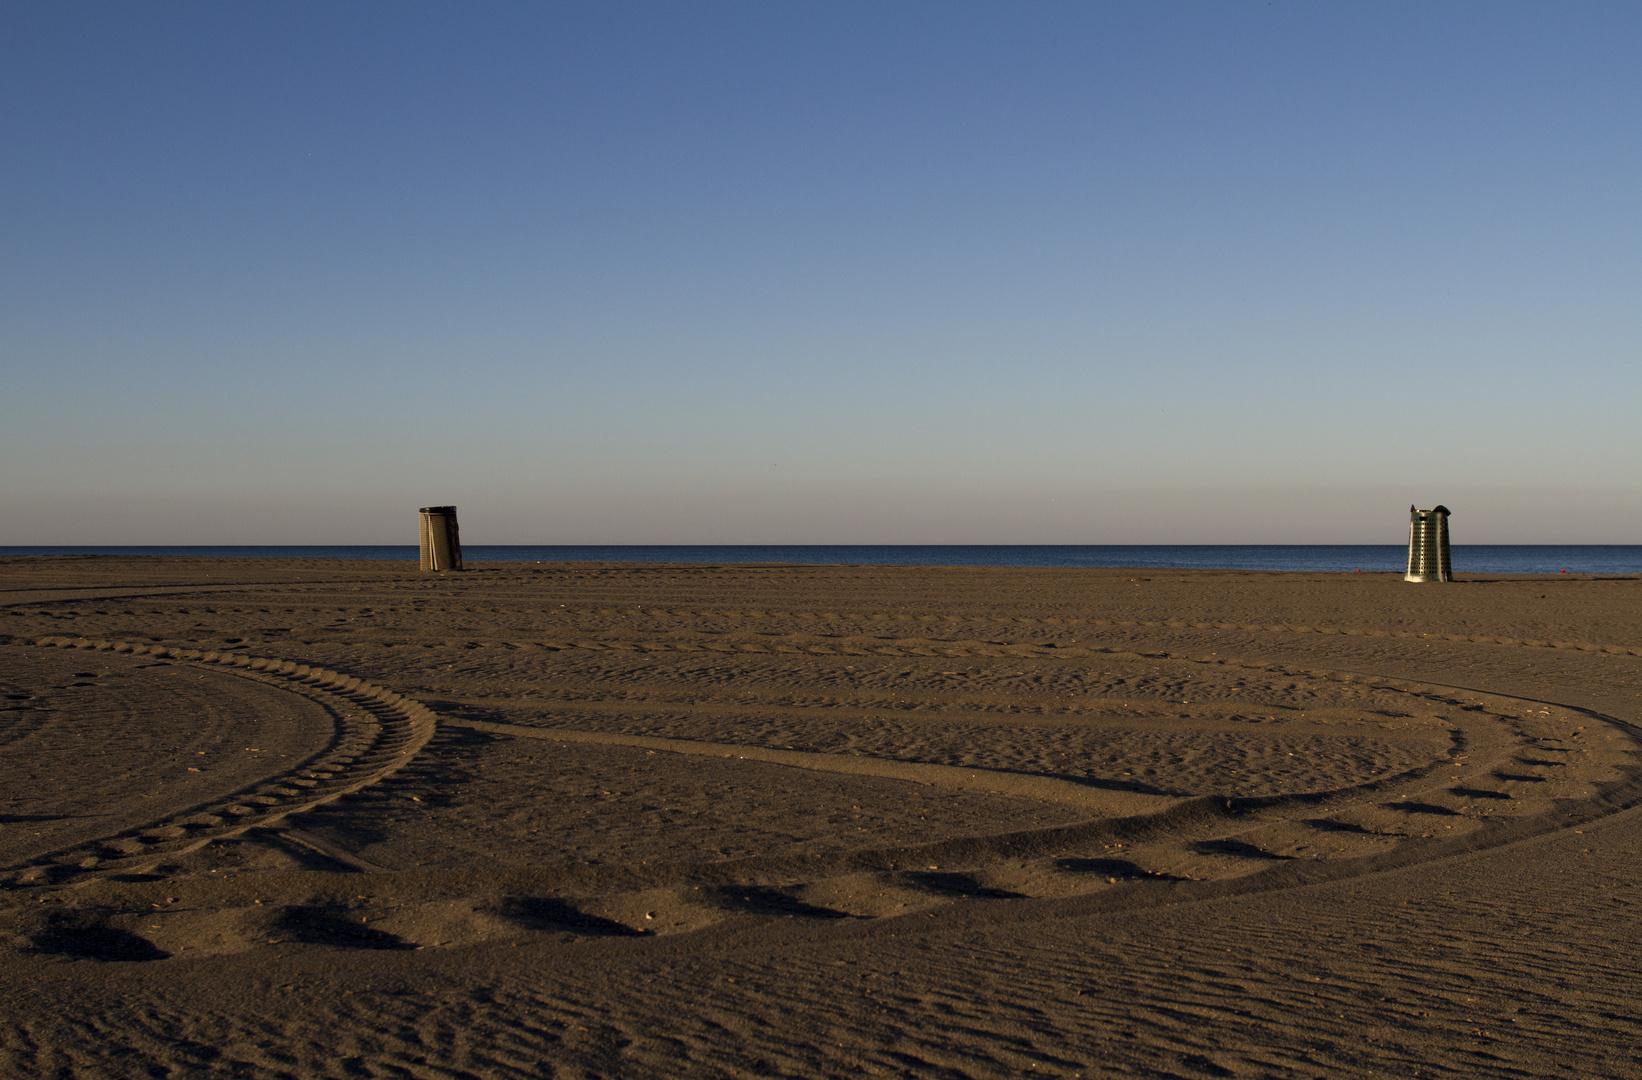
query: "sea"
1306, 558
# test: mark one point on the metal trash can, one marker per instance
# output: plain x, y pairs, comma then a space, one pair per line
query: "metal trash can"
441, 543
1427, 545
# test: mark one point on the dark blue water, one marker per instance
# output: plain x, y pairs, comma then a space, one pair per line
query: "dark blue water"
1468, 558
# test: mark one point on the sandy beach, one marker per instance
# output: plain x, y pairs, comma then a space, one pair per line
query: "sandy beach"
313, 818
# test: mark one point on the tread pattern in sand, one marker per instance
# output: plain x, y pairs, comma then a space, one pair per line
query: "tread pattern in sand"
1276, 764
375, 732
610, 906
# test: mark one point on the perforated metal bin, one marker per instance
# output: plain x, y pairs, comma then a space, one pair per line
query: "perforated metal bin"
441, 542
1428, 545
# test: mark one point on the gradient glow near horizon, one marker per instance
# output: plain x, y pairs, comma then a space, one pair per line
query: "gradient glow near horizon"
820, 272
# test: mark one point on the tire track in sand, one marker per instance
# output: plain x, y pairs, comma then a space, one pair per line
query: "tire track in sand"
377, 732
1104, 801
887, 618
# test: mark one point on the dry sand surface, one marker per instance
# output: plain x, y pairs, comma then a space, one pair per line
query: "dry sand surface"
264, 818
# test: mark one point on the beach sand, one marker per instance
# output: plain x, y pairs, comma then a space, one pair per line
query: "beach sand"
287, 818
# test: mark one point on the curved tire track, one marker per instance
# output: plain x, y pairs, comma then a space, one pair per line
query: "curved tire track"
377, 732
904, 618
1170, 820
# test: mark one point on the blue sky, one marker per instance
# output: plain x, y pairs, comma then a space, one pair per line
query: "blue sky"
820, 272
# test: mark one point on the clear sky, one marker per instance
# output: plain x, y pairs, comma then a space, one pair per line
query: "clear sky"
831, 272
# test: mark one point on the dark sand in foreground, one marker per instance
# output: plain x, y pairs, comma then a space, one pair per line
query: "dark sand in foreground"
282, 818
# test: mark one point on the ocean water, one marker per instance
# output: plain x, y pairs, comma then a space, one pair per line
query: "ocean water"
1345, 558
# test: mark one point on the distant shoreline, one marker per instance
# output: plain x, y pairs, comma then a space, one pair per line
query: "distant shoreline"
1303, 558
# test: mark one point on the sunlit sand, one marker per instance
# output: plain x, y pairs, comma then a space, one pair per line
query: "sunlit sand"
271, 818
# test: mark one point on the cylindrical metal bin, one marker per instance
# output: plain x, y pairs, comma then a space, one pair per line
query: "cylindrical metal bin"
1428, 545
441, 543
